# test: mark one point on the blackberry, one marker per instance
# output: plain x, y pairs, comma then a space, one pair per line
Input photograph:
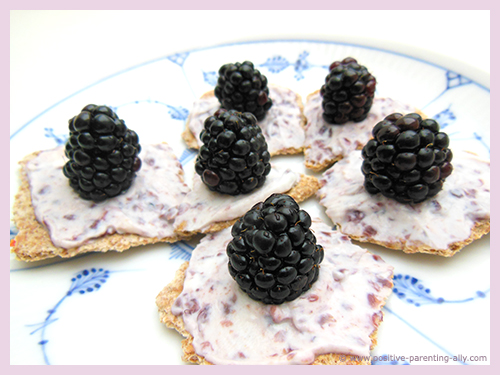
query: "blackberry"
102, 153
347, 93
233, 158
273, 255
408, 159
243, 88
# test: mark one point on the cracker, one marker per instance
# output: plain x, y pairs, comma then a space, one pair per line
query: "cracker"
305, 188
189, 138
33, 242
192, 141
318, 167
441, 225
168, 295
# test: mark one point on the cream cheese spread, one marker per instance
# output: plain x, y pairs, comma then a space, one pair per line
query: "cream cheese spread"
147, 208
326, 143
202, 207
337, 315
436, 223
282, 126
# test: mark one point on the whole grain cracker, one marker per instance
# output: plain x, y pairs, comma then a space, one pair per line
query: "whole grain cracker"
191, 139
479, 228
33, 242
167, 297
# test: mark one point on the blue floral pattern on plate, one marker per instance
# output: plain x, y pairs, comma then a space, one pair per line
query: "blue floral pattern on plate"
86, 281
411, 290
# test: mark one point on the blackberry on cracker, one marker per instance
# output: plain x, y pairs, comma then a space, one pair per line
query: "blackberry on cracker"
233, 158
102, 152
243, 88
274, 256
408, 159
347, 93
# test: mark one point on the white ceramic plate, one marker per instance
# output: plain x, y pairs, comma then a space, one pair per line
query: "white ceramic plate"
100, 308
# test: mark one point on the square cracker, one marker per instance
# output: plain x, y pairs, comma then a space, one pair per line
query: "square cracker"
33, 242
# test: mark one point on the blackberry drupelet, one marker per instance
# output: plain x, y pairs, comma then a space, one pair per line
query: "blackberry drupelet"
102, 152
274, 256
347, 93
233, 158
408, 159
243, 88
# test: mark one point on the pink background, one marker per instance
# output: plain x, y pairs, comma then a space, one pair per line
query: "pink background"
9, 5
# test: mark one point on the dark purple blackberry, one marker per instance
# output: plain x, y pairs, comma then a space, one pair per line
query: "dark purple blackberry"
408, 159
234, 158
102, 152
243, 88
273, 255
347, 93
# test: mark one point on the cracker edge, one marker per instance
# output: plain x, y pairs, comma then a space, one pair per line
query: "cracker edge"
33, 242
318, 167
191, 141
167, 297
479, 229
305, 188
